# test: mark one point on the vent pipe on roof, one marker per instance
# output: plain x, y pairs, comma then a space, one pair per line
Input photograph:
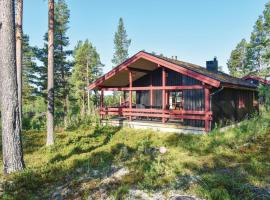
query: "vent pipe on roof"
174, 57
212, 65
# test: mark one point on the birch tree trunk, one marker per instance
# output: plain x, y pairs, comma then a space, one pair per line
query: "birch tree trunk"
19, 36
50, 111
11, 132
65, 111
87, 83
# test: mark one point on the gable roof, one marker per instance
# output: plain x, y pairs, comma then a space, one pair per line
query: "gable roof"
219, 76
212, 78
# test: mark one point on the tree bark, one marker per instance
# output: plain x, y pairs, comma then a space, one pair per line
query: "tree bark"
19, 36
50, 111
11, 131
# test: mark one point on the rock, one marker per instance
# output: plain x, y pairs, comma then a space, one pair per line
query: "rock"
182, 197
57, 196
171, 195
137, 194
120, 173
162, 150
116, 176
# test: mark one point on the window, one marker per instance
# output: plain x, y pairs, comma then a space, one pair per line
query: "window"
176, 100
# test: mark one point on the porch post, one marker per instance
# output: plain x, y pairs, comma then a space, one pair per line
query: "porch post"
130, 93
102, 102
207, 108
163, 94
151, 90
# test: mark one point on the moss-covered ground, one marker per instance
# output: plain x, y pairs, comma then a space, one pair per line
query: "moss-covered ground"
220, 165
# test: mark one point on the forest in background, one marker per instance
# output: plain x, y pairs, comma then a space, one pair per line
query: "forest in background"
74, 70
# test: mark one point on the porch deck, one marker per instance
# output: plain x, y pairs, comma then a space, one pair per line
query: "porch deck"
173, 126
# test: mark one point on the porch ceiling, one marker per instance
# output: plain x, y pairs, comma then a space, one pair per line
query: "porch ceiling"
121, 78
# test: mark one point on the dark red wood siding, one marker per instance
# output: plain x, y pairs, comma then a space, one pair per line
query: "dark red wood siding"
232, 105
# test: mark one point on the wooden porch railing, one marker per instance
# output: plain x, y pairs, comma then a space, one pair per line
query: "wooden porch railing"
129, 111
157, 113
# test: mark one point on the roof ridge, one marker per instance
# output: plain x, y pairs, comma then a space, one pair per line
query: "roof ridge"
202, 70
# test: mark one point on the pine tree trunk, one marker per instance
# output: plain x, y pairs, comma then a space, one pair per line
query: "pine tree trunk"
11, 132
50, 111
19, 36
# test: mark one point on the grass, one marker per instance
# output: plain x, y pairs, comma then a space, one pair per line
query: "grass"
230, 165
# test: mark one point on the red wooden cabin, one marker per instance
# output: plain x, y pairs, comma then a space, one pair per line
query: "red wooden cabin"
168, 89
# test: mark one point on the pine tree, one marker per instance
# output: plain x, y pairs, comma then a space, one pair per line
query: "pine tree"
29, 77
87, 68
62, 65
121, 44
62, 15
19, 38
50, 110
237, 64
257, 45
257, 50
266, 54
10, 116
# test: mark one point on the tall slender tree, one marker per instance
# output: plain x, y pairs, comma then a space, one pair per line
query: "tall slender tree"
50, 110
257, 45
62, 15
266, 54
87, 68
238, 64
62, 65
19, 37
11, 131
121, 44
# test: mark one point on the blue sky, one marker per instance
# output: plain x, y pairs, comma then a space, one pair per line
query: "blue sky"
192, 30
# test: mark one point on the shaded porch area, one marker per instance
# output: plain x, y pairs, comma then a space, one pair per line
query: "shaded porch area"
163, 103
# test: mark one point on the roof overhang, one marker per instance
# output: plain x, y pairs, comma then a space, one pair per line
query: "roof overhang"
140, 64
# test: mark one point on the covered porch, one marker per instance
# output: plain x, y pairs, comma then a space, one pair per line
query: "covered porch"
171, 111
157, 99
